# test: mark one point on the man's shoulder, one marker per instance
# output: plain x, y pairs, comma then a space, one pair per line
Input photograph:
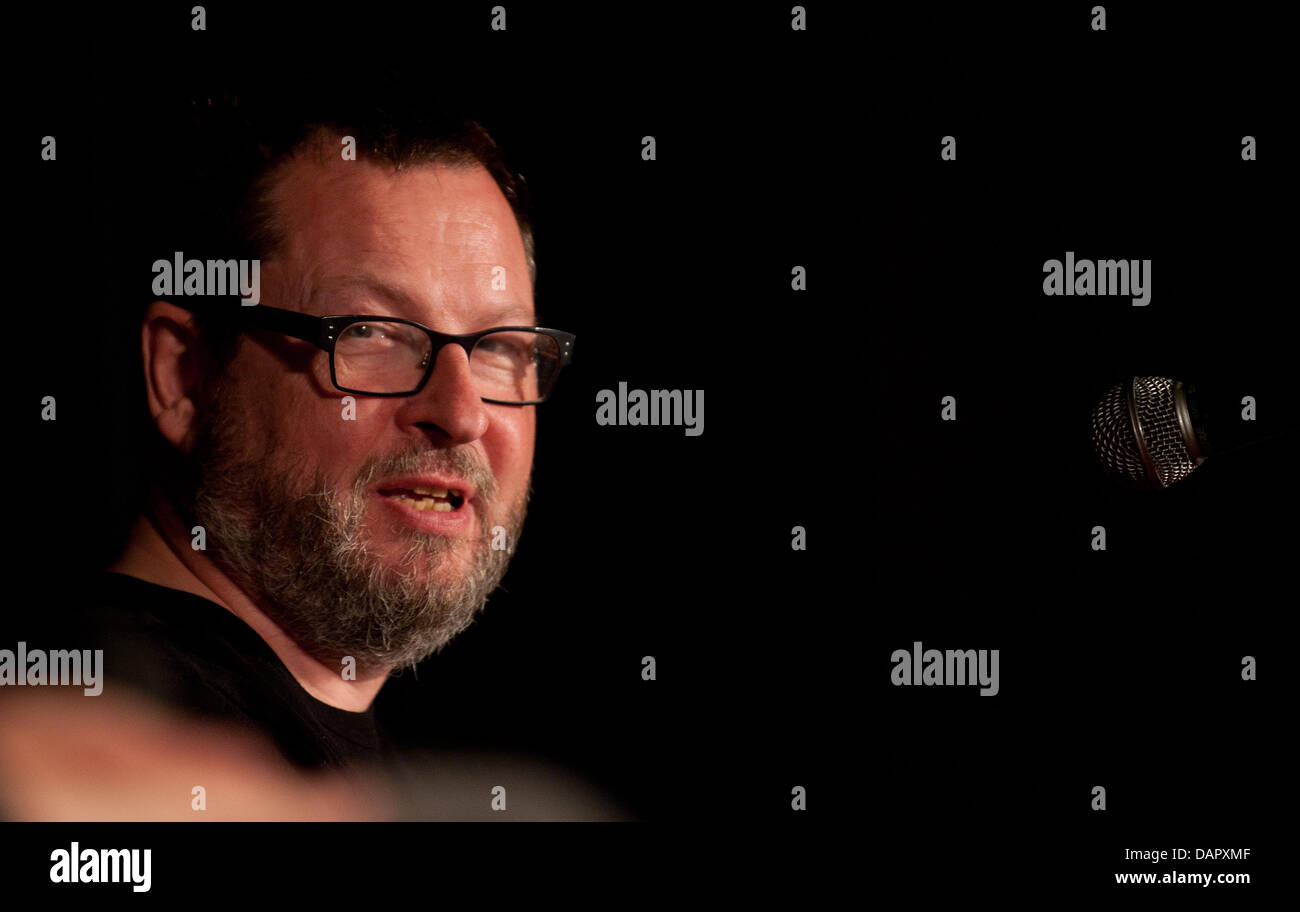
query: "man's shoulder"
116, 608
191, 653
176, 646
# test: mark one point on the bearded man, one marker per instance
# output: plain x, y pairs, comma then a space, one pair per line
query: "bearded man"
341, 469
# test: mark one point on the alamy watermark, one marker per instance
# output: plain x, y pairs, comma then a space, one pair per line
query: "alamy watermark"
676, 408
59, 667
78, 865
179, 276
1129, 278
953, 667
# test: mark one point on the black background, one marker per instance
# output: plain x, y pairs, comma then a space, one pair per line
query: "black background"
819, 149
1126, 663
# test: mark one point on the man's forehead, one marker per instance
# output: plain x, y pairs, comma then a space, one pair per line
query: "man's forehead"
422, 234
309, 186
368, 290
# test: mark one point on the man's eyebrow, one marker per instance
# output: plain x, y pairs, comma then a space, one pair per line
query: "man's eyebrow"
513, 315
391, 294
404, 304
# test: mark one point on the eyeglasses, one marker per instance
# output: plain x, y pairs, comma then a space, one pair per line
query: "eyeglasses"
389, 356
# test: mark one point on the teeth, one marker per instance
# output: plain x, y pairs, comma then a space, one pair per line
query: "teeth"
423, 503
431, 492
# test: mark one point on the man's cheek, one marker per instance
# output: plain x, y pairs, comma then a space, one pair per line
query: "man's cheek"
514, 465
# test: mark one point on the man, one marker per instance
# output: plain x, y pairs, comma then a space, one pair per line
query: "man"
333, 499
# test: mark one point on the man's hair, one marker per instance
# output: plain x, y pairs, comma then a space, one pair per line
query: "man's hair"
228, 153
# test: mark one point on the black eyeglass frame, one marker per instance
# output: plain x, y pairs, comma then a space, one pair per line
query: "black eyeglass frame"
323, 332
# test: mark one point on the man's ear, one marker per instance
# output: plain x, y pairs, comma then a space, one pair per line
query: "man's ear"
172, 370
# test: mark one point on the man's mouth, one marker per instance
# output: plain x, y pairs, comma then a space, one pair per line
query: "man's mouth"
439, 500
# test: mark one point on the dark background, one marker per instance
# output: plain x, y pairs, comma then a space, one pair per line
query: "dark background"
1122, 668
819, 149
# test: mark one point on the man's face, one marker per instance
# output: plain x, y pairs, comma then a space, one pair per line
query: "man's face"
308, 505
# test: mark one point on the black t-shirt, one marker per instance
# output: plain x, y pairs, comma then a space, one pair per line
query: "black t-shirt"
192, 654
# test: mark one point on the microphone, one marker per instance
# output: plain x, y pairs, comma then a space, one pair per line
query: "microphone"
1153, 432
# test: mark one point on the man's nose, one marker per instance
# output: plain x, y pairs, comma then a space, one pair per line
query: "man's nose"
450, 401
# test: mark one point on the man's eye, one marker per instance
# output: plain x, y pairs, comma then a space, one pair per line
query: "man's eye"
505, 347
369, 332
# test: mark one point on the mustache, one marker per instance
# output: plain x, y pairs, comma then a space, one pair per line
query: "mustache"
462, 462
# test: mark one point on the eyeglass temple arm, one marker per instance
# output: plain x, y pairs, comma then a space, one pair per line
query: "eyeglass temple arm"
288, 322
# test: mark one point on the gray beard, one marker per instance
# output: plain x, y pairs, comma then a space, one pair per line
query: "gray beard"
300, 556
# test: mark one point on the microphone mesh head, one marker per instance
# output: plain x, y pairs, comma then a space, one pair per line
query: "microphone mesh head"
1152, 413
1112, 436
1158, 418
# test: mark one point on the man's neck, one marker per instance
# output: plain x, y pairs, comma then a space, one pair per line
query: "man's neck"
158, 551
